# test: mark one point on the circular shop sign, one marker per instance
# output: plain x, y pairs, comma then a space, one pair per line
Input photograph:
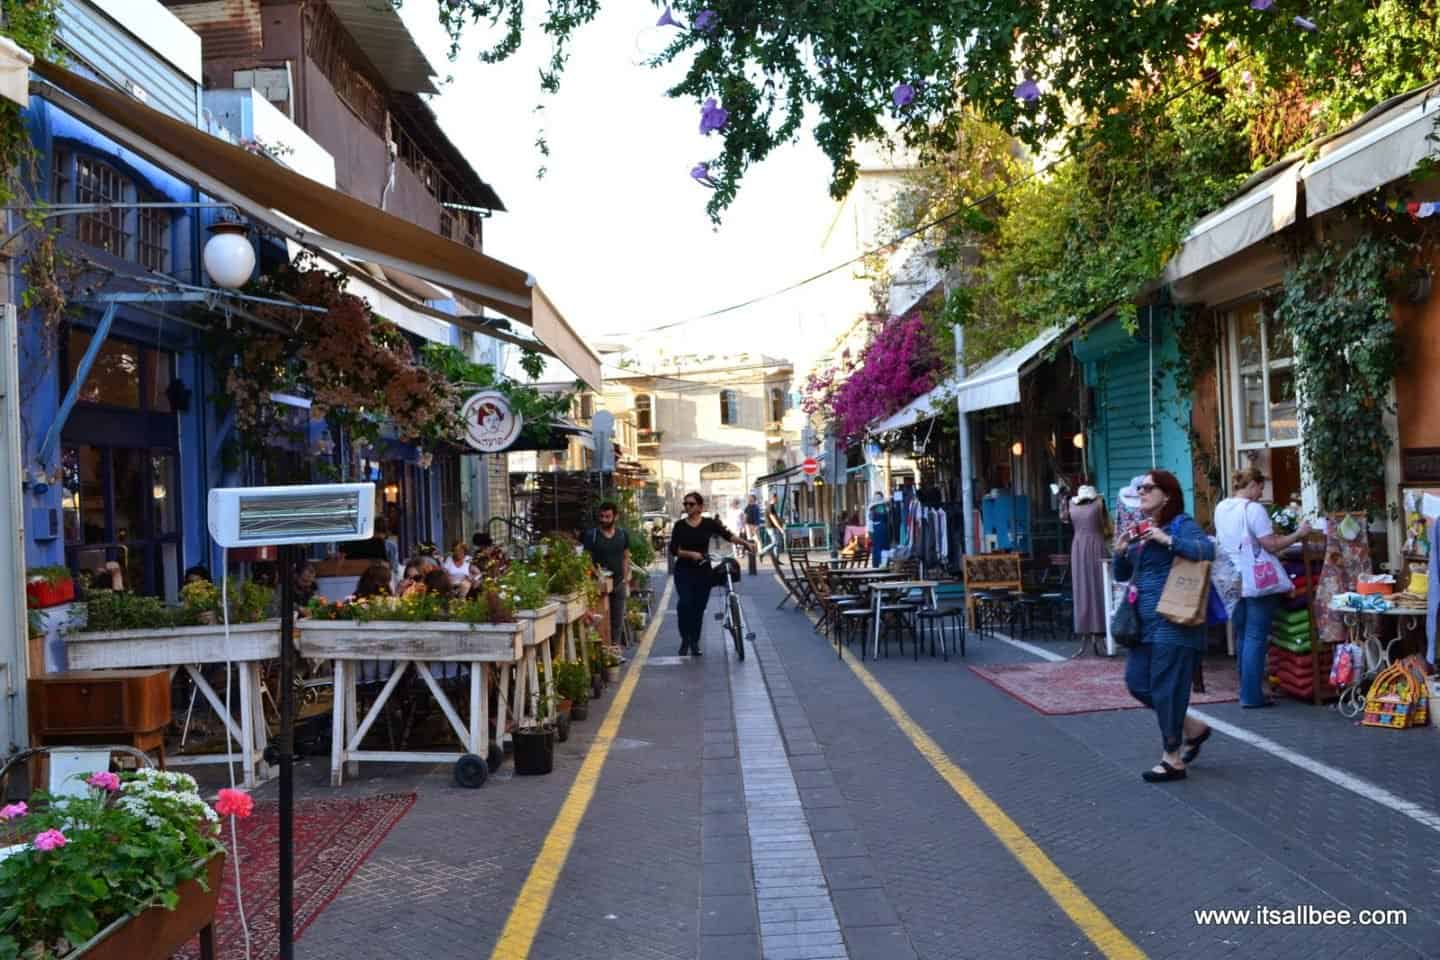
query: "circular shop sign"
490, 424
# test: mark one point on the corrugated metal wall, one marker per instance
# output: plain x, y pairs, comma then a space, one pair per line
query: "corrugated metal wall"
105, 47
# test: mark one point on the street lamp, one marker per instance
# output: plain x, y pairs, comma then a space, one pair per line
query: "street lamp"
229, 257
1018, 449
1079, 441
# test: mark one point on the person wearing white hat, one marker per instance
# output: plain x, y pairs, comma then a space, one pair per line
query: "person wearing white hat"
1087, 552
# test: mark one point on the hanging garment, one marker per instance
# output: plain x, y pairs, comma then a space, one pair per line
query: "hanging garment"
1432, 597
1345, 561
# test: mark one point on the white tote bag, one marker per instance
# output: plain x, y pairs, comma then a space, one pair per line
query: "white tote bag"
1261, 573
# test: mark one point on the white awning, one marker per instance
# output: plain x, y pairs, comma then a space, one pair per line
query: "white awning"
995, 383
1385, 145
1266, 208
919, 410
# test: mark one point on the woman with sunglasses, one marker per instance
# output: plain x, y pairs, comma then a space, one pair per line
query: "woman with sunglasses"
1161, 666
689, 552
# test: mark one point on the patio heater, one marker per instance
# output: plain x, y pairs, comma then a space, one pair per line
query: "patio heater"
288, 516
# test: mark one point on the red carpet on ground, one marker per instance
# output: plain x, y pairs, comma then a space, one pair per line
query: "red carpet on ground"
333, 837
1090, 685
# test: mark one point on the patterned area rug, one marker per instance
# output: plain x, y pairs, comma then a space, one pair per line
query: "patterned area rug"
1090, 685
333, 837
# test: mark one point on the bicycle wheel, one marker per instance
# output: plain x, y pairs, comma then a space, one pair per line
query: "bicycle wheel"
737, 626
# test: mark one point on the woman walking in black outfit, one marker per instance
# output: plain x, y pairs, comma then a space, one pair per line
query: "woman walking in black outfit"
689, 547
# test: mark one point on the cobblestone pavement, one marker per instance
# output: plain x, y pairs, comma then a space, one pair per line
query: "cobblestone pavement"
689, 849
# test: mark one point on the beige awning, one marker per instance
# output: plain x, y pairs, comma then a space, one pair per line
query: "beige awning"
1387, 144
1264, 209
306, 212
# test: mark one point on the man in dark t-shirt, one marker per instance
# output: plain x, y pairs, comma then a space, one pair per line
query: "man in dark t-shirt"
610, 547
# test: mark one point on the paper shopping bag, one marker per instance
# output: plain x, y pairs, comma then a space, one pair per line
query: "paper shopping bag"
1183, 601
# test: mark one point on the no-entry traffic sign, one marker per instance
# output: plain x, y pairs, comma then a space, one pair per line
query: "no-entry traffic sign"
811, 466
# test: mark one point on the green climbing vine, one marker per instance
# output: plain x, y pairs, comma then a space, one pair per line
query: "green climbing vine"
1337, 305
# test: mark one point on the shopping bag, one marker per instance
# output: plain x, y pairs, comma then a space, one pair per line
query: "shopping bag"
1187, 591
1125, 621
1261, 573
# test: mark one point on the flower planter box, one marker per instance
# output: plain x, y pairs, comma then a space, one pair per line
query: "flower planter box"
571, 608
40, 594
157, 933
401, 640
172, 646
540, 625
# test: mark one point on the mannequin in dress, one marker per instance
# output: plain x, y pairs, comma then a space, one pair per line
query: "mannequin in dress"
1087, 551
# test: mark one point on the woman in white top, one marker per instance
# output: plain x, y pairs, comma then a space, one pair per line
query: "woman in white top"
457, 565
1241, 520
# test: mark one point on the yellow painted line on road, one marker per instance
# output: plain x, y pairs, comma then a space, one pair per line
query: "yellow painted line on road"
529, 910
1079, 908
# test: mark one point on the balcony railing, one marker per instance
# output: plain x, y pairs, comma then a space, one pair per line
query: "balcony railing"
649, 438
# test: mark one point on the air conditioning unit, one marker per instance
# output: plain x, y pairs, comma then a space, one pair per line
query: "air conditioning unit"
302, 513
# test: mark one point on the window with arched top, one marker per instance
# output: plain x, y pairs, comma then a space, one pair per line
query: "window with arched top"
729, 408
777, 404
644, 412
720, 471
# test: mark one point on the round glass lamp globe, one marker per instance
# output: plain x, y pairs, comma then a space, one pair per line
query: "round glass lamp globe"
229, 258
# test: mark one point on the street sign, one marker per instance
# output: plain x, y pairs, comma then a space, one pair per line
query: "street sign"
810, 467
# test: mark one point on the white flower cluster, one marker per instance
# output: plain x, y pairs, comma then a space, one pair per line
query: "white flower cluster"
163, 799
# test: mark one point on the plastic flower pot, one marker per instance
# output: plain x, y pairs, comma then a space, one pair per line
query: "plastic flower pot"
580, 711
612, 674
534, 751
43, 593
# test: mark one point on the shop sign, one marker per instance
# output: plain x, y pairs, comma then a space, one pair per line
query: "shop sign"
1421, 464
490, 425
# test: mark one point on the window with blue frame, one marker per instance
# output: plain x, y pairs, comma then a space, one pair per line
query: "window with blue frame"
729, 408
138, 234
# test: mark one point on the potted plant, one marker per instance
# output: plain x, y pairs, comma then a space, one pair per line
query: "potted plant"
49, 587
129, 869
572, 683
535, 745
612, 665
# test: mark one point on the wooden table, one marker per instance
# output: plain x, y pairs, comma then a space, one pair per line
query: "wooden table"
878, 590
187, 648
503, 646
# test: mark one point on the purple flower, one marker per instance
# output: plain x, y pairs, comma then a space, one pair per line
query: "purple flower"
700, 173
666, 20
1303, 24
1028, 90
1261, 4
712, 116
903, 95
13, 810
705, 20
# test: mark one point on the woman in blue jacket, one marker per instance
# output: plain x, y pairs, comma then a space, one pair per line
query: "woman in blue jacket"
1161, 666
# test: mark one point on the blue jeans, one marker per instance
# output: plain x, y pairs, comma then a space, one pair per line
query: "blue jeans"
1159, 675
1252, 619
692, 587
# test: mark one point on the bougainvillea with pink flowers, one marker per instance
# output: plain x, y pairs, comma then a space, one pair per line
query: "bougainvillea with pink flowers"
899, 364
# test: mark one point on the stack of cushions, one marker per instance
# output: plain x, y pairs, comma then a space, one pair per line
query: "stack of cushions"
1291, 630
1294, 673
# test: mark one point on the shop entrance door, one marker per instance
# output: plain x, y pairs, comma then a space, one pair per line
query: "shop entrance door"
121, 504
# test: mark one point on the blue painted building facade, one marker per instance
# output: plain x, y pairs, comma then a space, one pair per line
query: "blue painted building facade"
116, 475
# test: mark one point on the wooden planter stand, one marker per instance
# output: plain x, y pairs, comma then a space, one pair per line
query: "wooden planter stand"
188, 647
347, 643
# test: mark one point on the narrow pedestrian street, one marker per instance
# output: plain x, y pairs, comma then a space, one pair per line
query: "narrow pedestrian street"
799, 806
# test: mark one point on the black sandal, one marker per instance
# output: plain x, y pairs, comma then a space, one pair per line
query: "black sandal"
1189, 755
1170, 773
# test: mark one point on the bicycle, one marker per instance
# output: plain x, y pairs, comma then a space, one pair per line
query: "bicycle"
731, 614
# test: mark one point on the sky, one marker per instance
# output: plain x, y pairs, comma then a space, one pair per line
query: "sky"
616, 231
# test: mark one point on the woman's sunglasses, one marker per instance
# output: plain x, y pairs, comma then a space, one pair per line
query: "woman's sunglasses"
1146, 487
691, 503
